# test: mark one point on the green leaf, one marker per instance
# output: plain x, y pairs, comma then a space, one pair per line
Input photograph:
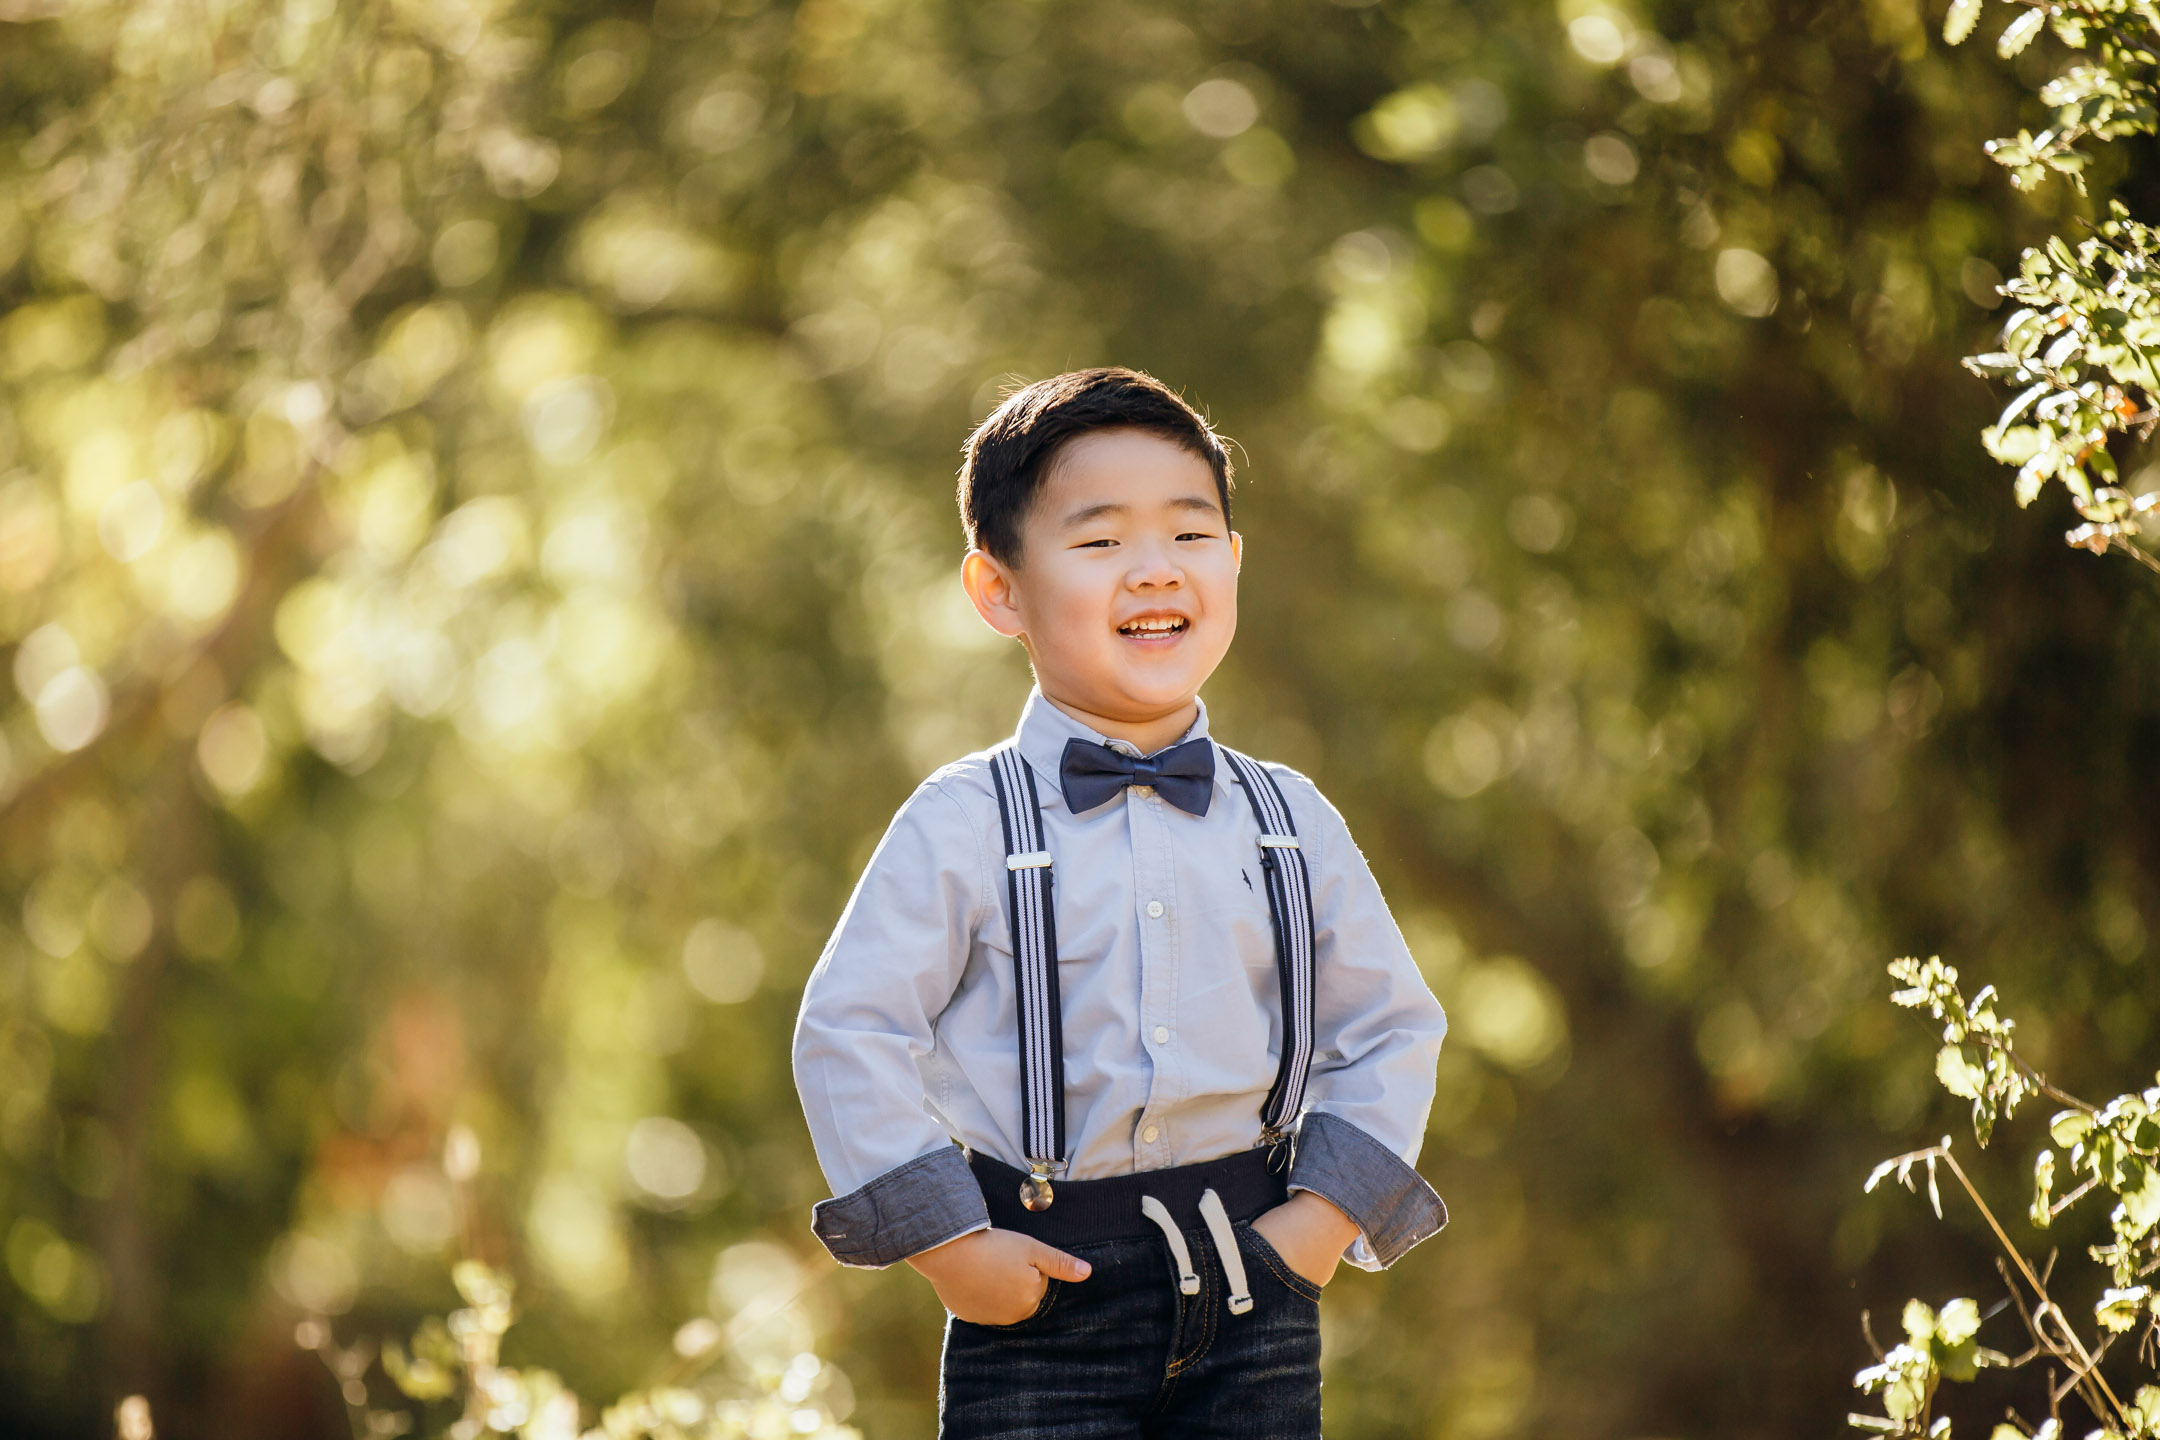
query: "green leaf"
2118, 1309
1903, 1397
2020, 327
2019, 33
1960, 1071
2141, 1196
2069, 1126
2103, 1157
2018, 406
2013, 446
1958, 1322
2031, 477
2043, 1188
1958, 24
1919, 1321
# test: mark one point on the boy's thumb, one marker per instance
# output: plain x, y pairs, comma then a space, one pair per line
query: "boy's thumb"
1057, 1264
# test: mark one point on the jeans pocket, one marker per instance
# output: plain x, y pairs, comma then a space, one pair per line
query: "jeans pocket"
1272, 1261
1042, 1308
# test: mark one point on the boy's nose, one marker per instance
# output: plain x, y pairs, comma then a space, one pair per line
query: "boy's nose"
1158, 569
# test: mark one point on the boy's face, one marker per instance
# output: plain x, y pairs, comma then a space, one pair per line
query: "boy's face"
1126, 594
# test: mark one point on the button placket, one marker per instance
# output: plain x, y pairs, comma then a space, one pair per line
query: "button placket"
1158, 976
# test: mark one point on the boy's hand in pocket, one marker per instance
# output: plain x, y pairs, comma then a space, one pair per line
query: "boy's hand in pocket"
995, 1277
1309, 1233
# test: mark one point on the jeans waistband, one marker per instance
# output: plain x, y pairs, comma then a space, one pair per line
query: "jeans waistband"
1087, 1212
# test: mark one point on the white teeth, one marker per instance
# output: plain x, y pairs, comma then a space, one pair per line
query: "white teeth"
1152, 627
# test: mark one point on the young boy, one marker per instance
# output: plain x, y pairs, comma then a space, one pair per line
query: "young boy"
1148, 985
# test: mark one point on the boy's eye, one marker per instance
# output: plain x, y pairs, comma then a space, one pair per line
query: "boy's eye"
1093, 544
1196, 535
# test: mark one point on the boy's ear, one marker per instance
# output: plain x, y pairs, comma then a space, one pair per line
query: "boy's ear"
1237, 550
989, 584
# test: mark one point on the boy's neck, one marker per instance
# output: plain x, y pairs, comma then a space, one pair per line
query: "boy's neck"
1147, 735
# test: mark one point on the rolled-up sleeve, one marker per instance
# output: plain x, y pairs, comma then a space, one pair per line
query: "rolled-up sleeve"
868, 1012
1379, 1031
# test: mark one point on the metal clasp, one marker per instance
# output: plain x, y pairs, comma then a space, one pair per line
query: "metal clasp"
1036, 1192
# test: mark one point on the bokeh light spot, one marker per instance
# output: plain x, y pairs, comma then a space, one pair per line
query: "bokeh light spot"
665, 1158
1598, 38
722, 962
1220, 108
233, 748
72, 709
1509, 1013
1746, 282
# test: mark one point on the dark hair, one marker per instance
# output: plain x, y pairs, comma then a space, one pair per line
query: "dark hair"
1010, 453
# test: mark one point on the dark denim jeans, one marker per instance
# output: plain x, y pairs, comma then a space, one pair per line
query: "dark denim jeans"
1122, 1354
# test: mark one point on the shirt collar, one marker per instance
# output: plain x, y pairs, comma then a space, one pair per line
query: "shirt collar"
1044, 729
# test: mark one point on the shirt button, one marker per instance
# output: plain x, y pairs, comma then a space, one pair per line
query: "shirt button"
1162, 1034
1150, 1135
1154, 909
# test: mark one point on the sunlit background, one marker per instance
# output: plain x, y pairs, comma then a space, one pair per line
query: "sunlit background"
477, 571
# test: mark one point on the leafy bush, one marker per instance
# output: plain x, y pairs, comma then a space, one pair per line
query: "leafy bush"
2080, 344
454, 1368
2113, 1149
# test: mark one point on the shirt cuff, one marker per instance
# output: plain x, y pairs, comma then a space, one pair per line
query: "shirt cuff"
1389, 1202
909, 1209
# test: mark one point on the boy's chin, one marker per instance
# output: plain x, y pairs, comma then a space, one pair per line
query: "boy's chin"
1150, 695
1122, 690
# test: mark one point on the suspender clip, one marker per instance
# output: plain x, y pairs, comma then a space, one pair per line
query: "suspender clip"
1036, 1192
1279, 842
1031, 860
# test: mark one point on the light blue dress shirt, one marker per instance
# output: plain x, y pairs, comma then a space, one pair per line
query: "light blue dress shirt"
905, 1043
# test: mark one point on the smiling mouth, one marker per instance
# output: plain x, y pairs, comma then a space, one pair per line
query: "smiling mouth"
1155, 627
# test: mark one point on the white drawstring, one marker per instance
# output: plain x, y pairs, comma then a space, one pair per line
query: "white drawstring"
1188, 1283
1233, 1264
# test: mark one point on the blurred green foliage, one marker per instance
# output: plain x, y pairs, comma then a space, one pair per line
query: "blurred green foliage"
477, 572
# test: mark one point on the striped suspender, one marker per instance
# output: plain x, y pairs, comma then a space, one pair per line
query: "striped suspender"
1289, 888
1035, 981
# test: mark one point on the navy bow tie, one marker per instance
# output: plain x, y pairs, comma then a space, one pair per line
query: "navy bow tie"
1093, 774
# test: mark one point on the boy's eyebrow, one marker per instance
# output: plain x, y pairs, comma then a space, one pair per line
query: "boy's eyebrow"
1111, 507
